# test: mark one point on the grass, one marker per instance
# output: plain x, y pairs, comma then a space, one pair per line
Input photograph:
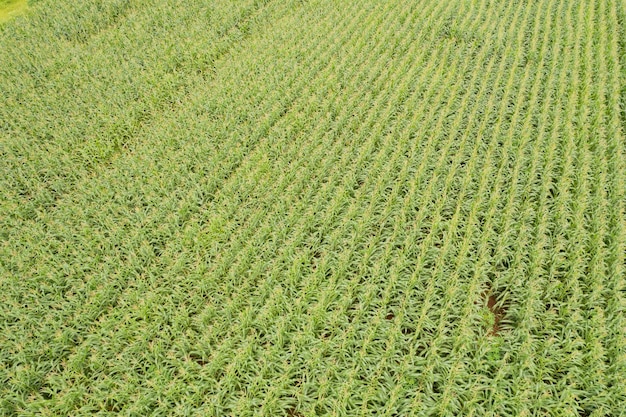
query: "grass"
313, 209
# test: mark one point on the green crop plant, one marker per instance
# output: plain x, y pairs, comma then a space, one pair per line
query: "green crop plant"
313, 208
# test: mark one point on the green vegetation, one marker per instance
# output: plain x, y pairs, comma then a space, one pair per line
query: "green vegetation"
313, 208
10, 8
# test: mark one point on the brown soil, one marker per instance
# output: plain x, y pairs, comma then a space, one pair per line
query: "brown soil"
498, 313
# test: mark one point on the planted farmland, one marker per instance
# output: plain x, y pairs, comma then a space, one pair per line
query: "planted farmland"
313, 208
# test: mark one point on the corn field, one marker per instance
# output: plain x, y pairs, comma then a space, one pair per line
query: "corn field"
313, 208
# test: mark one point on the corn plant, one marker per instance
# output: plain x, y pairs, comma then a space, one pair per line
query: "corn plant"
313, 208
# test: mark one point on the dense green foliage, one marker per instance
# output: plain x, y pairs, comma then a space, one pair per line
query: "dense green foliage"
307, 208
